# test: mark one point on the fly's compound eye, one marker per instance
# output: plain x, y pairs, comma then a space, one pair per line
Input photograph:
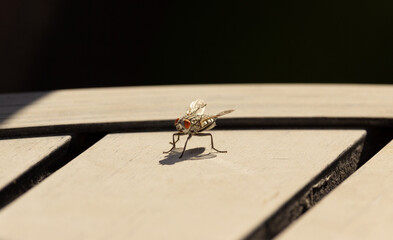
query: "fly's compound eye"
176, 121
187, 124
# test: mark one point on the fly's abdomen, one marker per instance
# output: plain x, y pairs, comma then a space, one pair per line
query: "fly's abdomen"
207, 124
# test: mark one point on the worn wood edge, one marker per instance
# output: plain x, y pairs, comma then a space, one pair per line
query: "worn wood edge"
358, 209
345, 164
33, 175
223, 124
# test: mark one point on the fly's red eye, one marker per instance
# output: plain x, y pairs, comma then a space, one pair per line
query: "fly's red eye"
176, 121
187, 124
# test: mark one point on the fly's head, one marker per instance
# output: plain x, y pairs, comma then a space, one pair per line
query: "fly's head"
183, 125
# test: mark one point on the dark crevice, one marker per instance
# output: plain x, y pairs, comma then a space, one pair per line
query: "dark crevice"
80, 143
376, 139
223, 124
44, 168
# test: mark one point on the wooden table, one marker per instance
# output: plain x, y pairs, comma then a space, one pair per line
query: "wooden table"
89, 163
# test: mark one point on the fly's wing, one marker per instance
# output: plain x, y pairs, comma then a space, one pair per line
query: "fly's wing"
197, 107
223, 113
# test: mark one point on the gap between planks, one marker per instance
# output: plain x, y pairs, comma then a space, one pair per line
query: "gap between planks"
28, 161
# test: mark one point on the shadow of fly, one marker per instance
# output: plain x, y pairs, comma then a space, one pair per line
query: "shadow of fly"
194, 123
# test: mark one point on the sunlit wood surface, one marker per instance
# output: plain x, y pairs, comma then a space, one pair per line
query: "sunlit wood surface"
113, 181
124, 187
126, 104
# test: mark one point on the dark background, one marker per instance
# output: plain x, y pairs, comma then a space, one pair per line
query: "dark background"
52, 44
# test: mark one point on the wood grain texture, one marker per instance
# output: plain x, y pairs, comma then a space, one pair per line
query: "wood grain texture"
124, 104
360, 208
19, 155
124, 187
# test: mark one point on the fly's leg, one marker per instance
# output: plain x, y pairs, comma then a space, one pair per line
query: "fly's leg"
184, 149
211, 137
173, 141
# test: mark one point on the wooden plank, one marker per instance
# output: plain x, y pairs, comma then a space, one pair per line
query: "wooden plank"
360, 208
125, 104
124, 187
24, 161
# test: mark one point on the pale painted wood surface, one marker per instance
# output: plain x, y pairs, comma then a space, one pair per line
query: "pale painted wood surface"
19, 155
124, 187
169, 102
360, 208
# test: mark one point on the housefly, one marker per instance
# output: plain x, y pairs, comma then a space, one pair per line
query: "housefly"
194, 123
